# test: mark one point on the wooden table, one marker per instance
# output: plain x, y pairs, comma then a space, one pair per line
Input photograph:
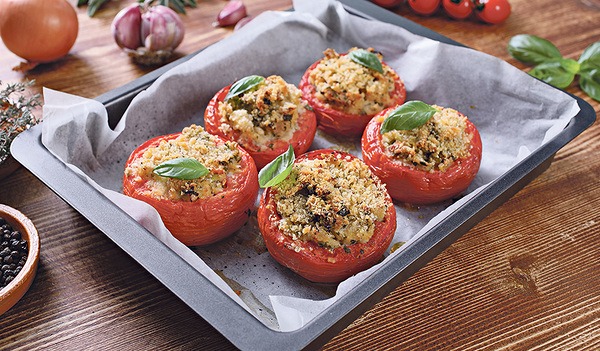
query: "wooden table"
524, 278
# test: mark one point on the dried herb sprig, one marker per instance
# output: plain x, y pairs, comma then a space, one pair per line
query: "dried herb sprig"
16, 113
177, 5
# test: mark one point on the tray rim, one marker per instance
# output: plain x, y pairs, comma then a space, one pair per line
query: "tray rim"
209, 302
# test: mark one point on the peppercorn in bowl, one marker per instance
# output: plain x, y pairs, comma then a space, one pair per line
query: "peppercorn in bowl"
19, 256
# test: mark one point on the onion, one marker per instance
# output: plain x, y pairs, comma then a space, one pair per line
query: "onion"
38, 30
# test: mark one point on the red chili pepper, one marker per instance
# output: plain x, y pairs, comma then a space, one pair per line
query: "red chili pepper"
307, 258
203, 221
410, 184
336, 122
301, 139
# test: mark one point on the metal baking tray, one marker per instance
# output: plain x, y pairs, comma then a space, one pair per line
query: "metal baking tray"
209, 301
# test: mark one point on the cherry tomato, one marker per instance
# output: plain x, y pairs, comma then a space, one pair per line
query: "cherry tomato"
203, 221
307, 258
337, 122
458, 9
424, 7
387, 3
301, 139
492, 11
413, 185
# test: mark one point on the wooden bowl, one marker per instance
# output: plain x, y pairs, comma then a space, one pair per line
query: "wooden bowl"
14, 291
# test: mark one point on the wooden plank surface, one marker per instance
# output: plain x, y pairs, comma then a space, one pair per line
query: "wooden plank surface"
525, 278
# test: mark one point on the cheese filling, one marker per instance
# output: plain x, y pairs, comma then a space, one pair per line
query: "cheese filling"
434, 146
263, 115
335, 201
350, 87
221, 159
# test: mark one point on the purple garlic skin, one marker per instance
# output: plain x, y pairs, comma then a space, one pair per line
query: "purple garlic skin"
162, 29
126, 27
232, 13
154, 28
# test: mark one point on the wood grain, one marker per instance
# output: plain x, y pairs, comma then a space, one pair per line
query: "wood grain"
525, 278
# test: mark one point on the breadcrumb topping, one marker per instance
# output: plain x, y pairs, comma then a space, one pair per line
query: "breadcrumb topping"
351, 87
220, 158
263, 115
433, 146
334, 201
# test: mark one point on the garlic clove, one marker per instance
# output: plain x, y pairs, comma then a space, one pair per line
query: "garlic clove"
232, 13
126, 27
161, 29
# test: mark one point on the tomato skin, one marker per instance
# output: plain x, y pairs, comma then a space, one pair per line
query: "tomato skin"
301, 140
387, 3
460, 10
316, 263
203, 221
424, 7
336, 122
492, 11
412, 185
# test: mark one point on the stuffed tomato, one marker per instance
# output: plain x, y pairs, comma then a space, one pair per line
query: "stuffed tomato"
264, 116
197, 208
347, 90
427, 164
329, 219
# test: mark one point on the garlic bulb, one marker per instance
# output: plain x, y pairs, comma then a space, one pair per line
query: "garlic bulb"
149, 34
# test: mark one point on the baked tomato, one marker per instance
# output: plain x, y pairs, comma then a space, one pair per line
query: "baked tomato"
329, 219
427, 164
346, 92
264, 119
197, 211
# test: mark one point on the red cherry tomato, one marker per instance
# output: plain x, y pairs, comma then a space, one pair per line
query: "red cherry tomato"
203, 221
337, 122
413, 185
301, 140
316, 263
387, 3
492, 11
424, 7
458, 9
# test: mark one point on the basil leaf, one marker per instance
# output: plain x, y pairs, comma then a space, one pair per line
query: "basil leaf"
553, 73
277, 170
243, 85
590, 83
532, 49
367, 59
407, 116
590, 58
181, 168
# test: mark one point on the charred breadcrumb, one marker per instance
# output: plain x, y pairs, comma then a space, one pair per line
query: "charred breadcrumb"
433, 146
335, 201
351, 87
221, 159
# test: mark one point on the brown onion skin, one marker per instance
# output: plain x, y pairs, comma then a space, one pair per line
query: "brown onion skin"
412, 185
38, 30
337, 122
301, 140
204, 221
316, 263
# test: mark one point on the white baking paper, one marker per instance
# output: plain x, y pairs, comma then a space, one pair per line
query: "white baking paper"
514, 113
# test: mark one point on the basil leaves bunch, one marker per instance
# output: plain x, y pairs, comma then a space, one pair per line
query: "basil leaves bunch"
407, 116
181, 168
552, 68
277, 170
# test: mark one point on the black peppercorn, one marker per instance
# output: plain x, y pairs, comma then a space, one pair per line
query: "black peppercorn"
13, 253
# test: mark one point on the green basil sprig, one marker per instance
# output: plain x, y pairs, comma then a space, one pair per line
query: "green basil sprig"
367, 59
552, 68
243, 85
407, 116
181, 168
277, 170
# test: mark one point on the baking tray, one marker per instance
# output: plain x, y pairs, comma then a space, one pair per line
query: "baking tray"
243, 329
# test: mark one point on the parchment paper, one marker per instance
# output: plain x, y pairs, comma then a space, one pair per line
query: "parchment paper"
514, 113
